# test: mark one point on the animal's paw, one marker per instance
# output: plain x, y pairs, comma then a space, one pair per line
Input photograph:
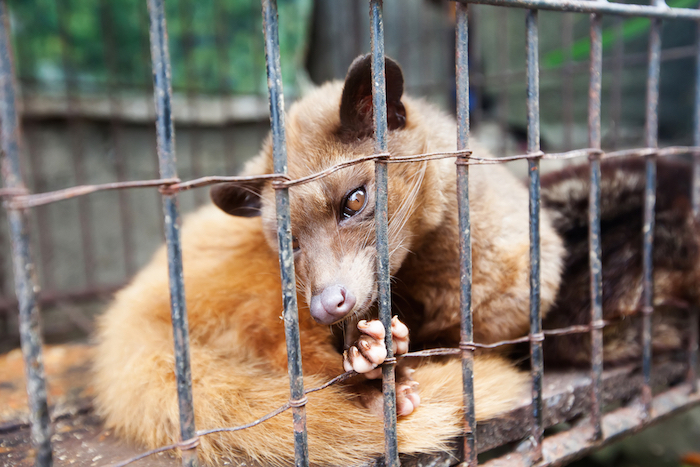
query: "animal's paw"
369, 351
407, 398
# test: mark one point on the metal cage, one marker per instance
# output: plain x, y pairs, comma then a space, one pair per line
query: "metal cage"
599, 429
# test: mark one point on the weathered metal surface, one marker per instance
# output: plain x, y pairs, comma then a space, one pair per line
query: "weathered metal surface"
381, 216
572, 444
594, 243
651, 138
165, 131
566, 396
26, 287
584, 6
533, 147
465, 247
284, 232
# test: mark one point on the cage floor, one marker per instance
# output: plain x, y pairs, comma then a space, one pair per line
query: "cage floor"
80, 440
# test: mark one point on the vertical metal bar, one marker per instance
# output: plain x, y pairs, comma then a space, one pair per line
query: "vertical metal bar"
25, 282
391, 451
160, 57
465, 247
651, 139
594, 244
533, 147
693, 341
284, 231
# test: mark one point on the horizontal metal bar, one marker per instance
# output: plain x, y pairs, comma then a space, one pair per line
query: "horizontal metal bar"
572, 444
603, 7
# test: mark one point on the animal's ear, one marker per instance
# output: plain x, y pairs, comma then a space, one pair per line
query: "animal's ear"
238, 199
356, 114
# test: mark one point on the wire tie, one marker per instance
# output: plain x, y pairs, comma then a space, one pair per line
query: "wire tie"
598, 324
467, 346
298, 402
537, 337
647, 310
189, 444
390, 361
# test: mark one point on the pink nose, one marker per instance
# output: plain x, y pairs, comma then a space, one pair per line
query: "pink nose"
332, 305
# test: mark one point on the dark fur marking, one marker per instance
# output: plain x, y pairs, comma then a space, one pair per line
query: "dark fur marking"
676, 249
356, 113
238, 199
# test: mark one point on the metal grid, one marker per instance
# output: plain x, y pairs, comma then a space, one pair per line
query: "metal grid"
602, 428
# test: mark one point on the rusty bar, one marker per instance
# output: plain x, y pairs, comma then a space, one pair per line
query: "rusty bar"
695, 196
284, 232
533, 146
586, 6
26, 287
465, 247
391, 452
168, 169
651, 139
565, 447
594, 241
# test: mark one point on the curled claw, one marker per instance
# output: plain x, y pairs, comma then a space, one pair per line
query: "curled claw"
399, 336
369, 351
407, 398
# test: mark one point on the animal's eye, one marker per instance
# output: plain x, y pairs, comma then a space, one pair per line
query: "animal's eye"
353, 203
295, 244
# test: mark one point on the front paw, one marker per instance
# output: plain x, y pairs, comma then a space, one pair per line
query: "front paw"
369, 351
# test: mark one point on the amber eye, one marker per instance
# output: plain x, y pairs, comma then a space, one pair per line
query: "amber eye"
353, 203
295, 244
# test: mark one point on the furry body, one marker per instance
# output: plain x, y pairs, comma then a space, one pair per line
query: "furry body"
676, 257
423, 222
239, 360
233, 291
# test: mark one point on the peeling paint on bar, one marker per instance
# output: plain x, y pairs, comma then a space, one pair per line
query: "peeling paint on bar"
594, 240
467, 328
284, 233
26, 286
391, 450
651, 139
533, 146
166, 159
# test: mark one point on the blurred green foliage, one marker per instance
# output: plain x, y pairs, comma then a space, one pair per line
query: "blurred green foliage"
216, 46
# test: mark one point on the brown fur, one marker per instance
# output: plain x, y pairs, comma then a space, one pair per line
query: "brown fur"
423, 224
676, 257
233, 290
239, 362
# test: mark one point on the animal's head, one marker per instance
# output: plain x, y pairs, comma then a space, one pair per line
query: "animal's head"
333, 217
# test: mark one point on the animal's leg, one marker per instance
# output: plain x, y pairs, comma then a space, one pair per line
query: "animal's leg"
369, 351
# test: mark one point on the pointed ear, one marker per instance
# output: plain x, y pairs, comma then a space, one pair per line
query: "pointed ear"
356, 113
238, 199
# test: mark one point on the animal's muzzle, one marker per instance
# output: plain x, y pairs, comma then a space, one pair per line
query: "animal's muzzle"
332, 305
